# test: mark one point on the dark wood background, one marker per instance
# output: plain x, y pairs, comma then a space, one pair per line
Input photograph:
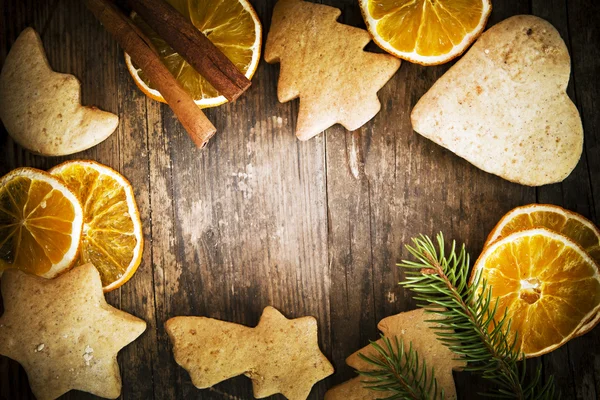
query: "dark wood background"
259, 218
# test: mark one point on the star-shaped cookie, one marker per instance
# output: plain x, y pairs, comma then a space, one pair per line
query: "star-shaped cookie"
280, 355
410, 327
64, 333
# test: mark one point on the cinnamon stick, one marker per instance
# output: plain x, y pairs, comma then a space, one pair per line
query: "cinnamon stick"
189, 114
193, 46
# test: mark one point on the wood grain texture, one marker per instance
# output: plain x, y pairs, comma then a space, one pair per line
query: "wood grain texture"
560, 363
258, 218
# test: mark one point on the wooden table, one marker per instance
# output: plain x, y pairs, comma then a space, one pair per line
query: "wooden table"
259, 218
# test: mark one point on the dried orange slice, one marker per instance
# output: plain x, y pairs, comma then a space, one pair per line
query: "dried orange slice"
40, 223
555, 218
548, 285
112, 236
570, 224
426, 32
232, 26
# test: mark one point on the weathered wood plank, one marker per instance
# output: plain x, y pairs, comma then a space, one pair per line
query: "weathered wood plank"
583, 192
248, 217
404, 185
584, 33
163, 261
137, 361
15, 18
313, 228
575, 194
353, 320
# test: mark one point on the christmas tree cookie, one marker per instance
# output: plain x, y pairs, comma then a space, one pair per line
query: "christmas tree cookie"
323, 63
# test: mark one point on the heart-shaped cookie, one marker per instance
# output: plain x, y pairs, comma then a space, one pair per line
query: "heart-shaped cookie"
504, 108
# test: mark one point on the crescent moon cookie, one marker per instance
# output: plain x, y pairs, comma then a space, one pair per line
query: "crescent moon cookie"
41, 109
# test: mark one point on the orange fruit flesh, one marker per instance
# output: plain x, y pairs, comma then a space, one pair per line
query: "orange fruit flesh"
108, 239
570, 227
431, 28
546, 287
35, 225
226, 24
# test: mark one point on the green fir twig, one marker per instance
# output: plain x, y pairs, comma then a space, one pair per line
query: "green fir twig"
399, 373
468, 327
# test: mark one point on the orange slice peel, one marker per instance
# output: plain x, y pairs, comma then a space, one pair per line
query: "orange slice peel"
547, 284
40, 223
112, 237
573, 225
427, 32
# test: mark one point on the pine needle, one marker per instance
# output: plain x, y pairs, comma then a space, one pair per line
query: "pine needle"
399, 372
467, 327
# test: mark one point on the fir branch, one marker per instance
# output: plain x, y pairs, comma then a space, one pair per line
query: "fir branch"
468, 327
399, 373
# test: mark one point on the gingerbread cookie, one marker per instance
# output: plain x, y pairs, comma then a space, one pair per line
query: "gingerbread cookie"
323, 63
64, 333
279, 355
410, 327
503, 106
41, 109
